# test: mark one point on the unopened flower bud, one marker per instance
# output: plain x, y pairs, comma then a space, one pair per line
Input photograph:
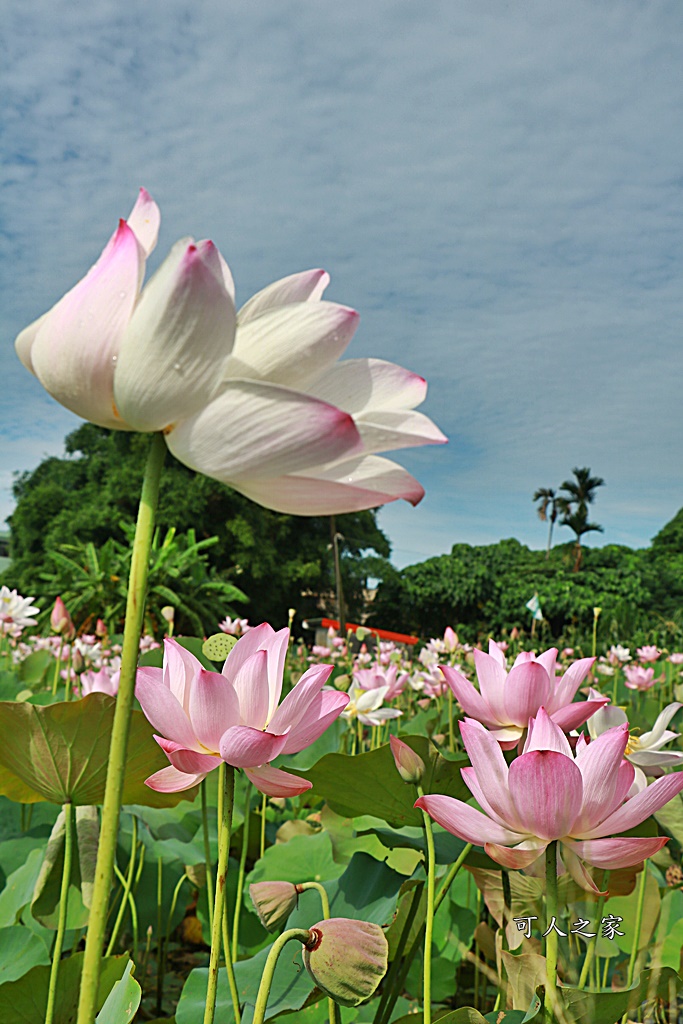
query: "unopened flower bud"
77, 662
346, 959
409, 765
60, 620
100, 629
274, 902
168, 612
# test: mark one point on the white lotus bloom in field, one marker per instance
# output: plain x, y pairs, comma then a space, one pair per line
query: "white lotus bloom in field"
366, 705
16, 612
257, 400
645, 751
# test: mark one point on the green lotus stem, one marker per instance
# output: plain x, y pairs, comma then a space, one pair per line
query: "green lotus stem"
160, 895
226, 784
451, 732
590, 952
429, 920
551, 937
63, 904
332, 1008
264, 803
229, 966
303, 935
207, 853
67, 682
133, 912
167, 934
58, 665
127, 883
106, 853
639, 923
241, 873
390, 979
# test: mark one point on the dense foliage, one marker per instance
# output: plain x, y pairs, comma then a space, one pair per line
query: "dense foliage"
91, 496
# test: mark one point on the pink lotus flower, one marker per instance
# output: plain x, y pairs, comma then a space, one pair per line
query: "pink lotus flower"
506, 701
549, 793
205, 717
234, 627
303, 428
639, 678
61, 621
648, 653
676, 658
100, 682
378, 675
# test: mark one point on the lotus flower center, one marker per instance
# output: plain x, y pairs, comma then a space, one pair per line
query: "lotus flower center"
632, 745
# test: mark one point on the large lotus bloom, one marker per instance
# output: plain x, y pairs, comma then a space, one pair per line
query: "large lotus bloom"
15, 612
506, 701
233, 715
645, 751
549, 793
258, 401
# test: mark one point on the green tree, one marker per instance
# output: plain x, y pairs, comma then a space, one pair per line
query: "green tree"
547, 511
575, 497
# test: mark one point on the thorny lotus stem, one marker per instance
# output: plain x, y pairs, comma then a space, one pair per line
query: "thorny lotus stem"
106, 853
126, 888
207, 853
303, 935
390, 979
63, 903
58, 665
429, 920
590, 952
638, 926
551, 938
241, 873
133, 914
229, 966
226, 783
264, 802
332, 1008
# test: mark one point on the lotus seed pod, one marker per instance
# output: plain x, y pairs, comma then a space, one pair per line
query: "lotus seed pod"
346, 959
274, 902
409, 765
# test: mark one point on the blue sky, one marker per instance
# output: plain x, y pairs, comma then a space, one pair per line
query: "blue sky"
495, 187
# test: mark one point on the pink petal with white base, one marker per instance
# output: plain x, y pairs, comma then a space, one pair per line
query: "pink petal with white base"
516, 857
566, 689
188, 761
620, 852
273, 430
243, 747
527, 688
253, 693
491, 772
471, 701
348, 486
382, 430
255, 639
599, 762
492, 677
639, 807
498, 655
78, 373
214, 707
164, 711
544, 734
180, 669
361, 385
549, 662
170, 780
144, 219
466, 822
299, 699
324, 709
291, 345
306, 286
275, 782
546, 789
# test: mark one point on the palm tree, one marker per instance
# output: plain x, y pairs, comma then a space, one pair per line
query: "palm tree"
573, 505
547, 511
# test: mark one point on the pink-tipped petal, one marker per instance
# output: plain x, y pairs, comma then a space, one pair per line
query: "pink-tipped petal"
271, 430
469, 698
348, 486
144, 220
298, 700
565, 689
243, 747
466, 822
361, 385
620, 852
574, 715
491, 772
214, 707
253, 693
544, 734
275, 782
75, 348
256, 639
306, 286
491, 675
170, 780
516, 857
639, 807
549, 661
190, 762
180, 669
527, 688
546, 789
163, 710
172, 354
381, 430
326, 708
599, 763
291, 345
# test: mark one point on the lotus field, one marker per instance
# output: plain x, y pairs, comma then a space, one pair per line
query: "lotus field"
243, 827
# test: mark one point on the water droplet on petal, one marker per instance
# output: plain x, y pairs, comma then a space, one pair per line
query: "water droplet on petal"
122, 295
114, 359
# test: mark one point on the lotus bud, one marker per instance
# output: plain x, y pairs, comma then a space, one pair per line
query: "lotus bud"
274, 902
346, 959
100, 629
409, 765
77, 662
168, 612
61, 621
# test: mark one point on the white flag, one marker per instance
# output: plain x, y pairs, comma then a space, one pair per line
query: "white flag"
534, 606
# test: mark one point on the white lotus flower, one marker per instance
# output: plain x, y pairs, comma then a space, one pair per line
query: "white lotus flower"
644, 752
15, 612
